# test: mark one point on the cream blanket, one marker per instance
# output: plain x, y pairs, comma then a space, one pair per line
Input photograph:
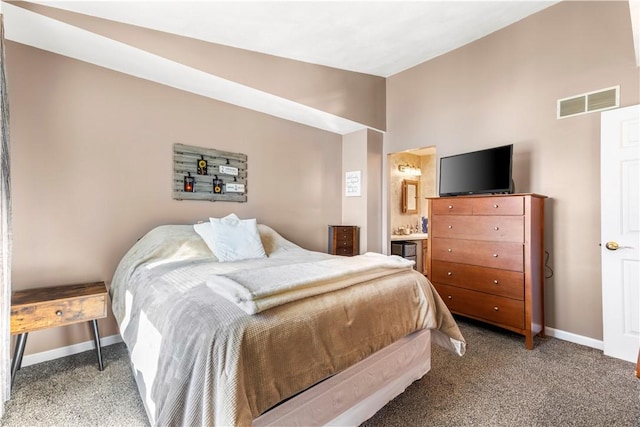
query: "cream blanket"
263, 288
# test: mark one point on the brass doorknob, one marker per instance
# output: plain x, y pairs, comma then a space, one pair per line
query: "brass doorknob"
612, 246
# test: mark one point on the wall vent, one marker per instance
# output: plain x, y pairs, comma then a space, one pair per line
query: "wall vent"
600, 100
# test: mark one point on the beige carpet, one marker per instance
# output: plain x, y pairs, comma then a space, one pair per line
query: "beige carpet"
497, 383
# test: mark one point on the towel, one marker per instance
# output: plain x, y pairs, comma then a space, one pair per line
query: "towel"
259, 289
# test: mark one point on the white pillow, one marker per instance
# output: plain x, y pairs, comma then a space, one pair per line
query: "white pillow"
235, 239
205, 231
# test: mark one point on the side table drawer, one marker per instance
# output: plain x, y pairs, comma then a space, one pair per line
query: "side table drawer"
57, 313
36, 309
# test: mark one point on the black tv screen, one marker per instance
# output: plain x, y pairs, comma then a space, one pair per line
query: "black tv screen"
479, 172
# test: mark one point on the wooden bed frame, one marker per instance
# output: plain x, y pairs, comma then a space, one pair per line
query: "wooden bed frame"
357, 393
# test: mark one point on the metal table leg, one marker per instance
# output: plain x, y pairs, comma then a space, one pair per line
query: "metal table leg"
96, 338
17, 355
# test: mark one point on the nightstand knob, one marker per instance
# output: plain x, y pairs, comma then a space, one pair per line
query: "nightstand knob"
495, 308
450, 227
58, 313
495, 255
449, 297
449, 250
495, 282
450, 207
495, 206
449, 273
496, 228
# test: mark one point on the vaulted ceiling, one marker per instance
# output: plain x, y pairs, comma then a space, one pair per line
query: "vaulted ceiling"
380, 38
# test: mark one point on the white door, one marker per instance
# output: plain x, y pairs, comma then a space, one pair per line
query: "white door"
620, 210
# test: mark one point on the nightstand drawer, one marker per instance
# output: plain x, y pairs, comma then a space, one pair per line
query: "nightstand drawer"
36, 309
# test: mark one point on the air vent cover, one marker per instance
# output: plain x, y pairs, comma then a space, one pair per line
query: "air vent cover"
590, 102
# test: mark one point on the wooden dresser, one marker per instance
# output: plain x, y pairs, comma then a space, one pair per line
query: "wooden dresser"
344, 240
485, 258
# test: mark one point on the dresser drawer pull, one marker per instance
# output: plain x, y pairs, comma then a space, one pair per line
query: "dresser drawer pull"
58, 313
496, 308
449, 273
496, 228
495, 255
450, 207
450, 227
495, 282
449, 250
449, 297
495, 206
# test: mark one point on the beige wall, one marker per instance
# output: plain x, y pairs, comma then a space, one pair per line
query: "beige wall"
362, 151
503, 89
92, 166
356, 96
354, 208
374, 190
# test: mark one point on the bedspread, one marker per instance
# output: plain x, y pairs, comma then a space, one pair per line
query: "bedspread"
199, 359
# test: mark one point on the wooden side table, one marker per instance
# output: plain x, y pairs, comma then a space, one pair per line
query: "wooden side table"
35, 309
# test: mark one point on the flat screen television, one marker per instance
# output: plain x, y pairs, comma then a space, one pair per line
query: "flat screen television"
479, 172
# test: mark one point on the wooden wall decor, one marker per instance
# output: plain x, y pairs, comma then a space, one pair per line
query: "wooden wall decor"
208, 174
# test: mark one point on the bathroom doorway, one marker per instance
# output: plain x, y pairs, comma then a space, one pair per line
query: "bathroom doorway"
411, 169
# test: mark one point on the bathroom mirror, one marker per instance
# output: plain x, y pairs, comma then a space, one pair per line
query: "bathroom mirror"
410, 194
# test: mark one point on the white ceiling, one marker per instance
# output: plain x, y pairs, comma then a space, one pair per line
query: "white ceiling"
374, 37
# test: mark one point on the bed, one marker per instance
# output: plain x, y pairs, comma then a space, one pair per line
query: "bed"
332, 349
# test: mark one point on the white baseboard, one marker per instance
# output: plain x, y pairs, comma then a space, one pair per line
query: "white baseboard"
574, 338
56, 353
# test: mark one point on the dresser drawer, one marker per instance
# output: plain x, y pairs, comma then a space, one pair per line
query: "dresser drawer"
344, 251
494, 228
344, 244
344, 237
504, 283
32, 316
498, 206
505, 311
452, 206
504, 255
343, 233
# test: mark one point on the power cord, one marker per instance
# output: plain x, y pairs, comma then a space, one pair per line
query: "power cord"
546, 265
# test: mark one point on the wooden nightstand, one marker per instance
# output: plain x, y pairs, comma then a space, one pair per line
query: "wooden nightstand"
344, 240
35, 309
